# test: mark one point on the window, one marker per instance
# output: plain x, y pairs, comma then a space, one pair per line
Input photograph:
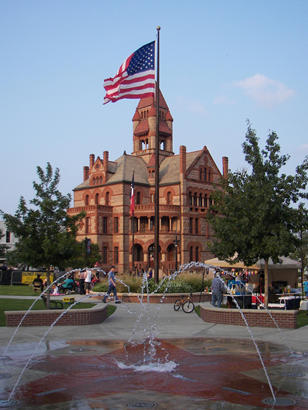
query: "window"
134, 227
200, 174
210, 175
86, 200
190, 225
169, 198
104, 254
7, 236
195, 199
96, 199
116, 255
196, 225
87, 227
205, 201
107, 198
205, 174
105, 224
197, 253
138, 198
200, 200
191, 257
116, 224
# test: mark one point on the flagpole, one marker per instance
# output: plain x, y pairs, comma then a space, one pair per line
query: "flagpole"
157, 145
133, 243
132, 211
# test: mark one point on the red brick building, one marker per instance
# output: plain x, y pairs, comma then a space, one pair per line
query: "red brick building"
185, 183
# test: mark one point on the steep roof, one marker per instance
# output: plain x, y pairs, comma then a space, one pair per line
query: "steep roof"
126, 165
122, 169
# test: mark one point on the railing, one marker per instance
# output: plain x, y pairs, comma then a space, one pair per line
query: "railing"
162, 208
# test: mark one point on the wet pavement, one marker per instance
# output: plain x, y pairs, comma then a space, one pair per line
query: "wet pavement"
199, 365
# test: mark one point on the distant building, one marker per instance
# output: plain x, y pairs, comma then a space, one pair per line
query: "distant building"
8, 239
186, 181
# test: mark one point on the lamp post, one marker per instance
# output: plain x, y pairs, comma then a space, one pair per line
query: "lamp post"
176, 243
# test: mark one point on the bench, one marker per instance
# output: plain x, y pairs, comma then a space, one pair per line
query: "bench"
53, 304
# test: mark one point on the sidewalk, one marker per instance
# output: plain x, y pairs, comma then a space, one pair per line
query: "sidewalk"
131, 319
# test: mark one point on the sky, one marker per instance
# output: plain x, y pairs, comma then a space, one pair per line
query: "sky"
222, 63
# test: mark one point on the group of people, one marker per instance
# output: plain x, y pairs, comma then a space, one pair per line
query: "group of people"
219, 287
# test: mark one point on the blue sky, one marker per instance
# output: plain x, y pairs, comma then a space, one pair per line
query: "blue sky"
221, 62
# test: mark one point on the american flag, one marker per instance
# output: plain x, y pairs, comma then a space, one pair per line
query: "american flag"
132, 197
135, 78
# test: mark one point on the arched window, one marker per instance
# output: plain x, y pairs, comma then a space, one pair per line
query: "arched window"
197, 253
205, 174
86, 200
169, 198
107, 198
200, 199
191, 256
116, 255
96, 199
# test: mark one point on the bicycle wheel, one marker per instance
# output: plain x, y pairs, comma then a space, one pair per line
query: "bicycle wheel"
177, 304
188, 306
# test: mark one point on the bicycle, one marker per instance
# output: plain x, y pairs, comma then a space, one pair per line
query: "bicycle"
185, 303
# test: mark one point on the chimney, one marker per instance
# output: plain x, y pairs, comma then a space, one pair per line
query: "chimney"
85, 173
91, 160
182, 159
225, 165
105, 164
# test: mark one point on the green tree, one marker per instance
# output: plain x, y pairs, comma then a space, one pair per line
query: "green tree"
301, 251
252, 216
45, 231
3, 247
83, 258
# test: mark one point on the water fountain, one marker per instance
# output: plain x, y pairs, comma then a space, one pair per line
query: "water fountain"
145, 371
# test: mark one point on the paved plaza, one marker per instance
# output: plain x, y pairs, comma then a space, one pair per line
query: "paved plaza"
212, 366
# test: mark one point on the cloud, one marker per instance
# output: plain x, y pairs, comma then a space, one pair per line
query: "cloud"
264, 90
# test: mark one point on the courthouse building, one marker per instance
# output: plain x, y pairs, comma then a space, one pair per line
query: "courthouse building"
186, 181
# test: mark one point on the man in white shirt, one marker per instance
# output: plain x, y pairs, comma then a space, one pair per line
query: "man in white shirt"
88, 279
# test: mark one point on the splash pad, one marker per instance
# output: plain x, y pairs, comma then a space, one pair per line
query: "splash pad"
146, 368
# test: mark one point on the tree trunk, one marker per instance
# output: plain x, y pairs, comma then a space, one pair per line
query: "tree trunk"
266, 282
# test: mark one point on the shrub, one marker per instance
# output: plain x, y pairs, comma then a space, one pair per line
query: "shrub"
183, 283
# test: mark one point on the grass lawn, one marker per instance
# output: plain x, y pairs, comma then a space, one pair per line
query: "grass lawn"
302, 318
22, 304
17, 290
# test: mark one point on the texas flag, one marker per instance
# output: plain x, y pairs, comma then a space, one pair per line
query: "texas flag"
132, 197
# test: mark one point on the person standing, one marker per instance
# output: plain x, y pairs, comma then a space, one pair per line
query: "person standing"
82, 276
218, 287
305, 283
88, 279
112, 285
